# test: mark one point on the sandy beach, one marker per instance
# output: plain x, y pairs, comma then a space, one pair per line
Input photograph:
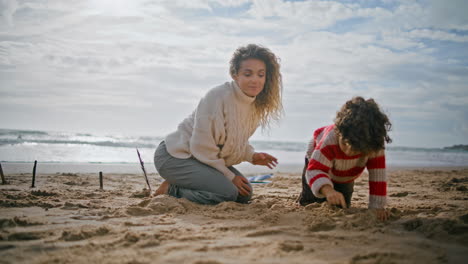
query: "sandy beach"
67, 219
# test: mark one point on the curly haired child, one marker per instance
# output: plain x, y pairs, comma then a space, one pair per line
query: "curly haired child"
339, 153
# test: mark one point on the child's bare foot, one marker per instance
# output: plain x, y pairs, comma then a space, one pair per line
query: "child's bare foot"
163, 189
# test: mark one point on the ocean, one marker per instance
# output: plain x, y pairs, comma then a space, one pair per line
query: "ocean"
82, 153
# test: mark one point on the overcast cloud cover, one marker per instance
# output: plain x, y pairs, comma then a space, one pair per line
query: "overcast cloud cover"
139, 67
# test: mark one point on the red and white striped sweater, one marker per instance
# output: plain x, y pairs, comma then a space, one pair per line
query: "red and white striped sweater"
328, 164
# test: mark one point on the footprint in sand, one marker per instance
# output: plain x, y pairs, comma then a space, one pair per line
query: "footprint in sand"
76, 235
400, 194
22, 236
136, 239
455, 184
6, 247
138, 211
17, 221
439, 228
290, 245
73, 206
321, 226
11, 203
207, 262
43, 193
266, 232
376, 257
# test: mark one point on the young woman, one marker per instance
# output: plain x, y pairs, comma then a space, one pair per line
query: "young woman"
197, 159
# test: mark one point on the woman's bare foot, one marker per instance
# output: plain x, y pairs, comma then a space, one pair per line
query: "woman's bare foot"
163, 188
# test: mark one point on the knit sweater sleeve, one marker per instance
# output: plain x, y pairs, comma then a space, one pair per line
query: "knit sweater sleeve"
313, 142
320, 163
203, 144
377, 180
248, 154
310, 148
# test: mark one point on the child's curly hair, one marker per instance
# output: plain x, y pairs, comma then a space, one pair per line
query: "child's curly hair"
363, 125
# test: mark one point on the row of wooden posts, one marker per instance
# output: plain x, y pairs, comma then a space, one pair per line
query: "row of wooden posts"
101, 182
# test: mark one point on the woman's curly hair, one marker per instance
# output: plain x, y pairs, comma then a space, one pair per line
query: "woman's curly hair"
268, 102
363, 125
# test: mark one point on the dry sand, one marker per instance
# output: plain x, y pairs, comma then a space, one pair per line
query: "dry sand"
67, 219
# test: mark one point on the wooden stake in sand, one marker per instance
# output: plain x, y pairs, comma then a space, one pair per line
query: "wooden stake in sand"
34, 174
3, 176
101, 183
144, 171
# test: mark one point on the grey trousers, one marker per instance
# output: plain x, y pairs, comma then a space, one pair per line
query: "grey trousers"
196, 181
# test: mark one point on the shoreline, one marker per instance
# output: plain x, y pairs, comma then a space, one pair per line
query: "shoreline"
125, 168
135, 168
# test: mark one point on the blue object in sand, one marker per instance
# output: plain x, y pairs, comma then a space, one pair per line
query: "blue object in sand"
260, 178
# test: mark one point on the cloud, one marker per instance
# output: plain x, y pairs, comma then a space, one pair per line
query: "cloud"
311, 14
7, 9
153, 60
449, 14
437, 35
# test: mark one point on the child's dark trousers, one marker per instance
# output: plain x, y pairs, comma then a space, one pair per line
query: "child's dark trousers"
307, 197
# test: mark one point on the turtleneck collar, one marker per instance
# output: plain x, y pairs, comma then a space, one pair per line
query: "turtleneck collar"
241, 95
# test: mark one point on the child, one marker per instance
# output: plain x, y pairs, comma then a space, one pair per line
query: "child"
339, 153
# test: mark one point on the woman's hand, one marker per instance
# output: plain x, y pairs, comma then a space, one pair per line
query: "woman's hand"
333, 197
265, 159
382, 214
242, 185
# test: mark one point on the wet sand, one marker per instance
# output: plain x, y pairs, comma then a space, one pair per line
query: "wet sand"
67, 219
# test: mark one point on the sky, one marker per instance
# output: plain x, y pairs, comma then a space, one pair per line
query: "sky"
139, 67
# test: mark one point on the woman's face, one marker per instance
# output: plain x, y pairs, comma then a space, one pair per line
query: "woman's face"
251, 76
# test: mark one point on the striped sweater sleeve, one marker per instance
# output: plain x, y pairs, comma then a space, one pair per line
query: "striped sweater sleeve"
310, 148
319, 164
377, 180
313, 142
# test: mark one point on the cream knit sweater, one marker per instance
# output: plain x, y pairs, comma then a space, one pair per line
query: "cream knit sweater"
217, 132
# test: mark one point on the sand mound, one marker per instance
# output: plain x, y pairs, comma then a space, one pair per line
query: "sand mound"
158, 205
439, 228
17, 221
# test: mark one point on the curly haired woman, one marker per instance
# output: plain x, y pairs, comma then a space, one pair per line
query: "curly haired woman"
197, 159
339, 153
